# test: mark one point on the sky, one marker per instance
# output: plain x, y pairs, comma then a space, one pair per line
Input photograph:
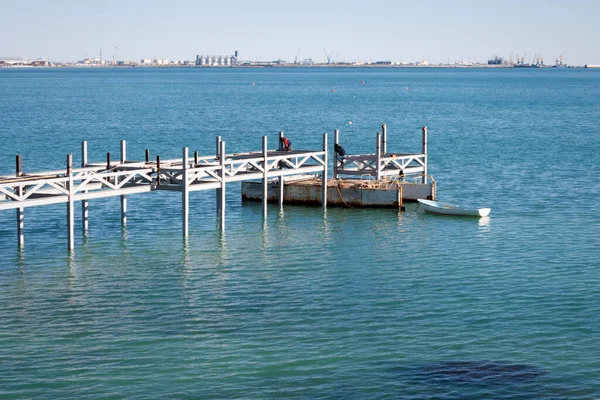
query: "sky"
349, 30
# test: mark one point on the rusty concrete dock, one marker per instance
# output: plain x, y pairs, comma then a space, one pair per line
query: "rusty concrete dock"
385, 193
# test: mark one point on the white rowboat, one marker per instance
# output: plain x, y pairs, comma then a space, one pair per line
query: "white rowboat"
450, 209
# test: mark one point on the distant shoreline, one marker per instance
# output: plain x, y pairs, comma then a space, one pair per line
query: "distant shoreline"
277, 66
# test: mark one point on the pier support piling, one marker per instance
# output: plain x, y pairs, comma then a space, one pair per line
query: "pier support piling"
265, 183
185, 193
217, 153
222, 190
20, 210
70, 205
324, 176
123, 197
281, 182
84, 203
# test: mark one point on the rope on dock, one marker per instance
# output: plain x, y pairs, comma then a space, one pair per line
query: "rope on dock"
342, 197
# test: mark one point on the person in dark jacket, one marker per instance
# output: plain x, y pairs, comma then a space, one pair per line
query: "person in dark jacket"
339, 150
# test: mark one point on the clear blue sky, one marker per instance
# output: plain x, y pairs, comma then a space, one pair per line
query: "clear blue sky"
396, 30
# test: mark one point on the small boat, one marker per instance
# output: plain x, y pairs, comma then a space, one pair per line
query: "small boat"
450, 209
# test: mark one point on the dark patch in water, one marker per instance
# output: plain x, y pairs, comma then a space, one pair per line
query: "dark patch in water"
496, 372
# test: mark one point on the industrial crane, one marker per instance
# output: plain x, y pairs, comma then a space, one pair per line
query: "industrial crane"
296, 58
329, 56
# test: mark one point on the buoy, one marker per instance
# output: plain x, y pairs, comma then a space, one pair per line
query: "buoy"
349, 122
252, 83
333, 91
405, 88
363, 82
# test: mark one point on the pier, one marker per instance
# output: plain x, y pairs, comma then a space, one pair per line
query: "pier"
123, 177
380, 179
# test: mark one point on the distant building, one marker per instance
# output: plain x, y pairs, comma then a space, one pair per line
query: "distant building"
216, 61
10, 61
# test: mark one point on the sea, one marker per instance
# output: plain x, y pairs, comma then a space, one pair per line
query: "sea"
344, 304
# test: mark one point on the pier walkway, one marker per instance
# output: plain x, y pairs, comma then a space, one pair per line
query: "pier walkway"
124, 177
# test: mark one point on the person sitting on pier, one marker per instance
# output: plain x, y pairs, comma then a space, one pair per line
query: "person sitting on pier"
287, 144
339, 150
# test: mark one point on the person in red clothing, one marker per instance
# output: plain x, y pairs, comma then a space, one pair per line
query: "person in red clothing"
287, 144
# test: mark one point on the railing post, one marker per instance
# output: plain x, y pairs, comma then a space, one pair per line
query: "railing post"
157, 171
384, 139
265, 183
424, 150
123, 197
378, 155
324, 176
20, 210
336, 141
70, 205
84, 203
185, 193
222, 190
147, 155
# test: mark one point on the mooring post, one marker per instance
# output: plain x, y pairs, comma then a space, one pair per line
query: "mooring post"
70, 205
336, 142
195, 158
424, 129
324, 176
84, 203
218, 191
222, 190
20, 210
384, 139
185, 193
281, 182
123, 197
147, 155
265, 183
378, 160
108, 160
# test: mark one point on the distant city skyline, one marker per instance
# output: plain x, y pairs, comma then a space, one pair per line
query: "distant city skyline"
435, 31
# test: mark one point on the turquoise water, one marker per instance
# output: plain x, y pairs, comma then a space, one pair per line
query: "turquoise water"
351, 304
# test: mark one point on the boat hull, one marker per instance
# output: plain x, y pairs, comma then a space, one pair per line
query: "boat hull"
449, 209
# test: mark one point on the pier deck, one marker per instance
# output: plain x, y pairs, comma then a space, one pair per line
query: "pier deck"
123, 178
94, 180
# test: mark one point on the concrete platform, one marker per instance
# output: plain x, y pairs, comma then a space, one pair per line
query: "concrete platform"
384, 193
